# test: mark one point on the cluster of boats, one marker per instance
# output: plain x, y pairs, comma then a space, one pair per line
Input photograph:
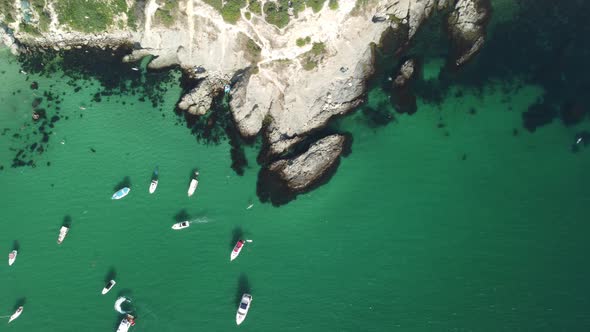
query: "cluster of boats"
192, 187
129, 320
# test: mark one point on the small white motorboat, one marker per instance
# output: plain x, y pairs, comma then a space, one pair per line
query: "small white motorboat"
243, 308
121, 193
63, 231
12, 257
181, 225
126, 323
16, 314
154, 183
108, 287
193, 185
237, 249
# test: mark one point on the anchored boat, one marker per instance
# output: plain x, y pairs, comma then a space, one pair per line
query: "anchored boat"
237, 249
108, 287
154, 183
16, 314
126, 323
193, 185
12, 257
63, 231
243, 308
181, 225
121, 193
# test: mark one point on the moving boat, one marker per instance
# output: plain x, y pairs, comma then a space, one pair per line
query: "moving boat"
181, 225
12, 257
121, 193
108, 287
237, 248
16, 314
154, 183
193, 186
126, 323
63, 231
243, 308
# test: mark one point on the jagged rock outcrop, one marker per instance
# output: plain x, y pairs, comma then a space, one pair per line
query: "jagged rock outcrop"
467, 28
7, 39
198, 100
402, 96
303, 171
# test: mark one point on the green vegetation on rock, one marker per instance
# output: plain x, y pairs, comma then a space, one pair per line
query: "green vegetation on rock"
44, 19
315, 5
255, 7
311, 58
166, 12
7, 9
333, 4
277, 13
303, 41
229, 9
92, 16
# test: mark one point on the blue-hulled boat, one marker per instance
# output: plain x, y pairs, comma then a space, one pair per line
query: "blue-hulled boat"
121, 193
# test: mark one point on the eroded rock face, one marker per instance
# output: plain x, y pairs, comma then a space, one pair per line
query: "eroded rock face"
282, 180
198, 101
467, 28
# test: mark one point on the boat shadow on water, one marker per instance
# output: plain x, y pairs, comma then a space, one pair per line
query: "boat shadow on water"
20, 302
236, 235
182, 215
16, 245
111, 275
126, 182
67, 222
243, 287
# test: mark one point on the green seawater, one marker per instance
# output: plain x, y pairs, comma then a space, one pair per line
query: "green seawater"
460, 227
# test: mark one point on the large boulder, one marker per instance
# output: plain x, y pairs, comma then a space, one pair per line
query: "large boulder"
282, 180
199, 100
467, 28
402, 97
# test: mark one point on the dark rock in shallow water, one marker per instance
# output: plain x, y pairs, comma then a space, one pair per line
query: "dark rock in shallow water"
34, 85
573, 113
538, 114
402, 97
467, 28
282, 180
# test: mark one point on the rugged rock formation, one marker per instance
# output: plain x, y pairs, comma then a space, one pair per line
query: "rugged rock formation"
402, 97
467, 28
303, 171
282, 180
198, 101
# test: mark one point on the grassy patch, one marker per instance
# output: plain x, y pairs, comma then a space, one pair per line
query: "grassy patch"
132, 17
312, 58
303, 41
315, 5
29, 28
333, 4
7, 8
44, 18
229, 9
360, 6
93, 16
277, 13
166, 12
247, 15
255, 7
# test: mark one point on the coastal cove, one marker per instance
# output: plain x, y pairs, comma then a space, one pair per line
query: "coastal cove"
406, 236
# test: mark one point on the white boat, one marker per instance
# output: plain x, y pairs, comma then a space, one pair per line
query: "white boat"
63, 231
108, 287
153, 186
181, 225
243, 308
16, 314
237, 249
154, 183
12, 257
126, 323
121, 193
193, 186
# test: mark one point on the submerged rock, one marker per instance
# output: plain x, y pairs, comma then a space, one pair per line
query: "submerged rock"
402, 97
467, 28
303, 171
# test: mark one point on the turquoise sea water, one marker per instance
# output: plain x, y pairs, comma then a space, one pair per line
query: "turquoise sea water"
460, 227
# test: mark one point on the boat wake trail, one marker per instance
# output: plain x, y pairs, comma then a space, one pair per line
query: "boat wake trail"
201, 220
118, 304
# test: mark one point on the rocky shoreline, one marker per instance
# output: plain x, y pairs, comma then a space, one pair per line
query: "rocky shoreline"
286, 83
